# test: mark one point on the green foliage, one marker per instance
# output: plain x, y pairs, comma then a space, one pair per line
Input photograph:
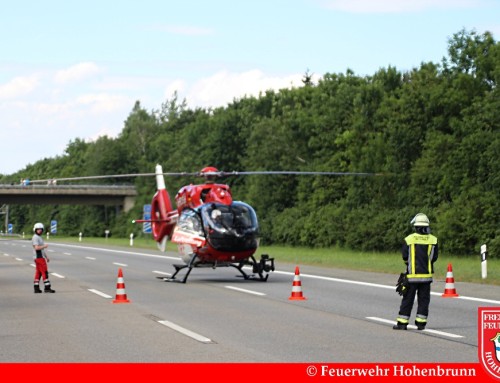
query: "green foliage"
432, 133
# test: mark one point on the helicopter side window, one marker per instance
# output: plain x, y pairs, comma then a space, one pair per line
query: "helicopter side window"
203, 194
190, 221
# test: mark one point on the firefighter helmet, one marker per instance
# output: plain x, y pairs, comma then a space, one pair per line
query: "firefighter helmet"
420, 220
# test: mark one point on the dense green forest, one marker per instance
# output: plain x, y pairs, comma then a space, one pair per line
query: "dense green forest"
432, 133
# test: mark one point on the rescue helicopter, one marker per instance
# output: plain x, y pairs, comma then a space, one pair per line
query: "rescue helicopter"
209, 228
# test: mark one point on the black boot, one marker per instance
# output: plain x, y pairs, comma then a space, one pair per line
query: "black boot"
48, 289
420, 325
37, 289
400, 326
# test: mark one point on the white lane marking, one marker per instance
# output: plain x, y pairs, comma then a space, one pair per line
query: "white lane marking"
58, 275
67, 253
6, 254
337, 280
442, 333
100, 293
244, 290
119, 251
19, 259
91, 258
120, 264
161, 272
185, 331
51, 251
380, 286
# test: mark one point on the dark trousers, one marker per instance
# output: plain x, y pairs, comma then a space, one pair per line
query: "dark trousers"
423, 292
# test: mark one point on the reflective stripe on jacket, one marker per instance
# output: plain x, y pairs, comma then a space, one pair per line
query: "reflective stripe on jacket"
420, 253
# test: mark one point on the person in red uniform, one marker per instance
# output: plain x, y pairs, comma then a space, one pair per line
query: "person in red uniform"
41, 260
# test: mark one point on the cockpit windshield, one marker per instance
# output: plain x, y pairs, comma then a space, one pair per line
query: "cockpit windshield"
237, 218
230, 228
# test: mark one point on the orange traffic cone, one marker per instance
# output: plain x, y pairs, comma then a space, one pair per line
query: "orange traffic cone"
297, 287
449, 288
121, 296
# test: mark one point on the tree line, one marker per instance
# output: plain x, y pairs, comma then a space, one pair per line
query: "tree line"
431, 134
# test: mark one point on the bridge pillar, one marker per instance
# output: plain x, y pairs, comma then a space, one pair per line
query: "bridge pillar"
128, 204
5, 210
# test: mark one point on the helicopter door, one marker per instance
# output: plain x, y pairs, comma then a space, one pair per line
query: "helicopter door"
188, 233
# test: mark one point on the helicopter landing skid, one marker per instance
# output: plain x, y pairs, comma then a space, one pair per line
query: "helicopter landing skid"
177, 269
265, 265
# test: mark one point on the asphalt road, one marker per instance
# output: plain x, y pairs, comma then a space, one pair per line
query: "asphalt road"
217, 316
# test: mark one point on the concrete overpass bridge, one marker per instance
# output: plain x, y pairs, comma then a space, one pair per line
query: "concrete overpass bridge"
123, 197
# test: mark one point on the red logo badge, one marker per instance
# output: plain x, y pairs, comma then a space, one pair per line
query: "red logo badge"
489, 339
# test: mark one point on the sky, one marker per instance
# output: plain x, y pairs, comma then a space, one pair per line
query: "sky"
74, 69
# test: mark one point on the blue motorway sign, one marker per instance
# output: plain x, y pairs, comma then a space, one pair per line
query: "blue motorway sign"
146, 215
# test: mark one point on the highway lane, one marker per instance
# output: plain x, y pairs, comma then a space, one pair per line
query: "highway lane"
216, 316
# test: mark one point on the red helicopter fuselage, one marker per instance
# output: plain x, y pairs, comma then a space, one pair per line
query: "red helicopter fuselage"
209, 228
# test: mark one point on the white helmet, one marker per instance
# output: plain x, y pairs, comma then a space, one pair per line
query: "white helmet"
37, 226
420, 220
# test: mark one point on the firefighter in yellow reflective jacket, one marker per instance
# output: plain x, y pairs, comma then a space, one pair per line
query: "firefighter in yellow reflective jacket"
420, 251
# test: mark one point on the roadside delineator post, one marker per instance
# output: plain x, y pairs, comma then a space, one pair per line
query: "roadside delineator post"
484, 255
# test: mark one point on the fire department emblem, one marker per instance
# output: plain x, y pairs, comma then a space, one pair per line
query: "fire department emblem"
489, 339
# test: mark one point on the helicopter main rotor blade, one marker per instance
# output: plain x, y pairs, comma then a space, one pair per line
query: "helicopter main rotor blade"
112, 176
286, 172
217, 174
